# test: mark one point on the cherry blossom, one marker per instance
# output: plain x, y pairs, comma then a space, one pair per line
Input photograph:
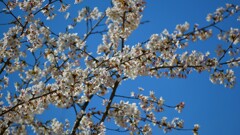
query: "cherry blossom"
57, 68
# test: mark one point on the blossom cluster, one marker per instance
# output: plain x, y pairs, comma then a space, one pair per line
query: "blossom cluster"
221, 12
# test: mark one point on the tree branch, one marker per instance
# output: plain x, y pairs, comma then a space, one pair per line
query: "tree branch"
78, 119
136, 98
5, 64
110, 101
21, 103
229, 47
12, 14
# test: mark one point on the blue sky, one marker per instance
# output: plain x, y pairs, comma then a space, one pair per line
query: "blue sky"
215, 108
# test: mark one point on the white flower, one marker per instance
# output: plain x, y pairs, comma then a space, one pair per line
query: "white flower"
132, 94
209, 17
64, 8
160, 102
57, 127
95, 14
77, 1
67, 15
196, 127
70, 27
180, 106
183, 28
81, 15
140, 88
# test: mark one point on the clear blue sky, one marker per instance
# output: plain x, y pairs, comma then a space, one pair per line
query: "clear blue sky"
215, 108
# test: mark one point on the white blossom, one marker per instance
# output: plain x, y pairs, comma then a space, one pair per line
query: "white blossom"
40, 66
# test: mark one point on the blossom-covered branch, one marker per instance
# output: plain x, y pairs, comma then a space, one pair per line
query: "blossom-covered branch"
41, 67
